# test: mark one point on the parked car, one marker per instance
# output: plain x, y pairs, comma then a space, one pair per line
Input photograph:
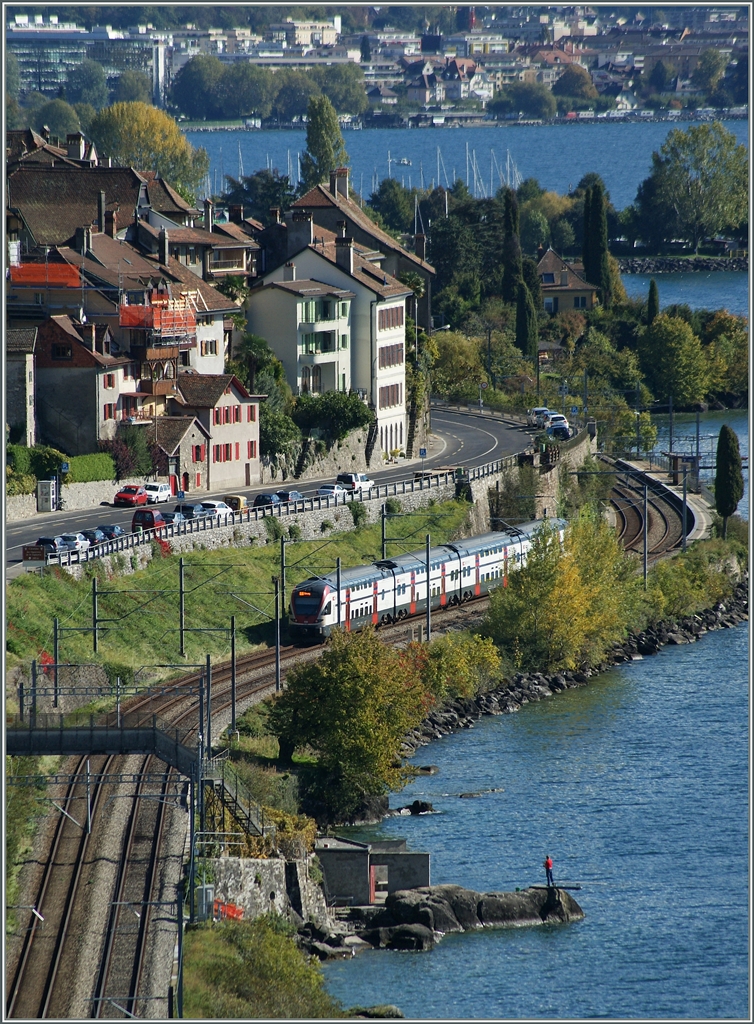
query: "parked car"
95, 536
112, 531
532, 416
558, 420
146, 519
266, 499
218, 511
190, 511
75, 541
331, 491
357, 482
238, 502
542, 417
131, 494
157, 493
560, 433
290, 495
174, 518
52, 545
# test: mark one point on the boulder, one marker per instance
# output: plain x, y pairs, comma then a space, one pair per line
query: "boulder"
402, 936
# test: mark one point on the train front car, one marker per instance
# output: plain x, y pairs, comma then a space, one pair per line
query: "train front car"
310, 606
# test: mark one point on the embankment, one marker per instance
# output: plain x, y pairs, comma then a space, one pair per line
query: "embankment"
681, 265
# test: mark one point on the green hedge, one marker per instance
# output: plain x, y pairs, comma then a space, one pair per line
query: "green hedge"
85, 468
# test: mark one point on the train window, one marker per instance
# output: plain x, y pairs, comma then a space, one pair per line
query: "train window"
328, 608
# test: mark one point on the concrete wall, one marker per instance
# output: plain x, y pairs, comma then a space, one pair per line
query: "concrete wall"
346, 873
75, 496
67, 409
405, 870
250, 883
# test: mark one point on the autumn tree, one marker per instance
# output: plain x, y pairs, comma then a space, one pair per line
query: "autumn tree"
455, 665
729, 481
352, 707
575, 82
325, 149
141, 136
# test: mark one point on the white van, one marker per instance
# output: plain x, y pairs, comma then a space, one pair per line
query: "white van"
532, 416
157, 493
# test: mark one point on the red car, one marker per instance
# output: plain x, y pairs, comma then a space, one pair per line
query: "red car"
132, 494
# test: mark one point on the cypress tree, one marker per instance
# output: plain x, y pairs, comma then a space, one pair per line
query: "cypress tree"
729, 480
527, 329
653, 302
598, 250
586, 239
512, 267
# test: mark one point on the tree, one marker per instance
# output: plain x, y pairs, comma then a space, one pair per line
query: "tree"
586, 242
86, 114
575, 82
366, 50
527, 330
86, 83
260, 192
12, 75
278, 434
729, 481
343, 84
352, 706
660, 77
336, 412
673, 362
296, 91
394, 204
133, 87
58, 116
141, 136
246, 89
196, 88
700, 177
535, 232
739, 79
562, 235
653, 302
530, 98
512, 271
325, 149
600, 254
709, 70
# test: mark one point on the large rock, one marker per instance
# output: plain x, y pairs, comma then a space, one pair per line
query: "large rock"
401, 936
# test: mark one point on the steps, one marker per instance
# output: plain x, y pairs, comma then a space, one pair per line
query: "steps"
371, 441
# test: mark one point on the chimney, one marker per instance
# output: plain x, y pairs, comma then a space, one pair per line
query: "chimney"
342, 225
339, 182
164, 249
300, 231
45, 133
75, 145
289, 272
111, 223
235, 214
88, 336
420, 246
344, 254
275, 214
209, 219
540, 253
564, 278
101, 204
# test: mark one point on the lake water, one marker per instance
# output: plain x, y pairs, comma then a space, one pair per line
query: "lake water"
725, 289
637, 787
558, 156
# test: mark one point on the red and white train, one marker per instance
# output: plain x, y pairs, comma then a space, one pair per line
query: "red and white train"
396, 588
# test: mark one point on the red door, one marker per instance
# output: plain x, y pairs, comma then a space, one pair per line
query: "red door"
173, 484
348, 610
477, 584
443, 599
374, 603
412, 606
505, 566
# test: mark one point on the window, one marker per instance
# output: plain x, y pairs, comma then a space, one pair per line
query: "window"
31, 399
209, 347
109, 412
128, 371
308, 311
216, 416
325, 310
251, 449
344, 341
579, 302
390, 318
228, 452
31, 376
198, 452
251, 414
548, 279
344, 309
108, 381
62, 352
391, 395
39, 298
390, 355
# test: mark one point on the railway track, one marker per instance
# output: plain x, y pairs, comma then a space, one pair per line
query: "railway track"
664, 523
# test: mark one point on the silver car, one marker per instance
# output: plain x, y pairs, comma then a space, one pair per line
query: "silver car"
75, 541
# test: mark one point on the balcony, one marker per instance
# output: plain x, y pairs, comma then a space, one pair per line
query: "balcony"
155, 354
156, 387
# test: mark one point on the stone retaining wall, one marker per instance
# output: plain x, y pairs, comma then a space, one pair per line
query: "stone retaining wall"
679, 265
260, 886
76, 497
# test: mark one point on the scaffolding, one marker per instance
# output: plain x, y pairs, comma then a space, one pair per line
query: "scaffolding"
164, 315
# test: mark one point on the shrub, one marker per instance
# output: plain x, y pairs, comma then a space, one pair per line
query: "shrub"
273, 527
393, 507
325, 525
87, 468
340, 413
359, 513
19, 484
294, 532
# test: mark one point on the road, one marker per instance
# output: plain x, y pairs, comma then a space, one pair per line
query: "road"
458, 439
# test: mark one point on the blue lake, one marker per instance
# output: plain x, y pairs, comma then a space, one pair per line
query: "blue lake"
725, 289
637, 786
557, 155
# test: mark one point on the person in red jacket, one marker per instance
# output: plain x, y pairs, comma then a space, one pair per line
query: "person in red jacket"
548, 868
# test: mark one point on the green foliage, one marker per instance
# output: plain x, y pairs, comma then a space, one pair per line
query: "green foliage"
294, 532
335, 412
296, 90
394, 204
133, 87
86, 83
196, 88
653, 302
260, 192
343, 85
278, 434
274, 528
393, 506
535, 232
527, 331
358, 513
352, 707
673, 362
12, 76
512, 268
325, 525
86, 114
252, 970
709, 70
692, 581
529, 98
729, 481
85, 468
325, 149
59, 116
141, 136
455, 665
576, 83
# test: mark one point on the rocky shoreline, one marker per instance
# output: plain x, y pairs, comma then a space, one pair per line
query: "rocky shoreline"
526, 687
678, 265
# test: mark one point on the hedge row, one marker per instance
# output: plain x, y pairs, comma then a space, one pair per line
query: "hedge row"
85, 468
43, 463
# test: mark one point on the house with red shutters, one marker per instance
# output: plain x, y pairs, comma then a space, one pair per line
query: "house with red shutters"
230, 418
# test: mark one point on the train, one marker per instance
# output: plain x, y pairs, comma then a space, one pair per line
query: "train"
392, 589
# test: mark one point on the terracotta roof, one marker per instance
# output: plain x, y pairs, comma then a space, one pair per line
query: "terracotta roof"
204, 390
168, 431
553, 264
21, 339
54, 201
235, 231
365, 272
191, 236
320, 196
